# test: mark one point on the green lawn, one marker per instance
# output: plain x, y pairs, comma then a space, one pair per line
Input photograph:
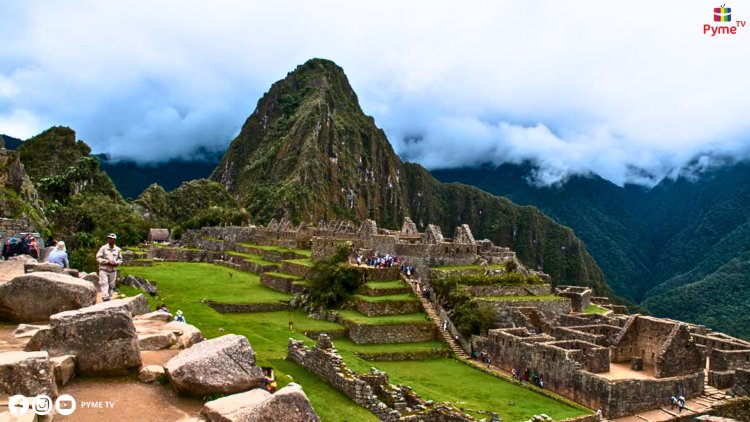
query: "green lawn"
307, 262
206, 281
546, 297
183, 285
595, 309
468, 388
305, 252
284, 275
393, 284
359, 318
404, 297
252, 258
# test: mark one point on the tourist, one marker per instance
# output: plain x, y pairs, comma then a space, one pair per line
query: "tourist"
291, 326
59, 255
30, 246
599, 414
162, 308
673, 401
50, 242
489, 361
681, 402
445, 325
109, 258
179, 317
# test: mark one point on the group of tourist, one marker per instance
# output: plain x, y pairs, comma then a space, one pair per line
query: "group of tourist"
378, 261
678, 401
529, 375
483, 355
26, 245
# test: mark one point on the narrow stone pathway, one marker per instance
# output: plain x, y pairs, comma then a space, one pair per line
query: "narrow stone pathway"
430, 310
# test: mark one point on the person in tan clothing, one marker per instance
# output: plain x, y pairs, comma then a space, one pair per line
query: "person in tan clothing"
109, 258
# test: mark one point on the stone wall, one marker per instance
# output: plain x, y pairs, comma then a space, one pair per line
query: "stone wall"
181, 254
741, 384
721, 379
550, 308
278, 283
395, 307
227, 308
295, 269
525, 290
371, 391
249, 266
397, 333
580, 297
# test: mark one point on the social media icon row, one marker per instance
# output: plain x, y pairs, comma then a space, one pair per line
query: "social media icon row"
42, 405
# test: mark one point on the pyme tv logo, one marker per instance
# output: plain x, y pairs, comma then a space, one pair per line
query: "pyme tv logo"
723, 14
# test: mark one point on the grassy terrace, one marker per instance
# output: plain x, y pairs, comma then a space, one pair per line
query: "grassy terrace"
405, 297
307, 262
183, 285
359, 318
257, 259
305, 252
468, 267
595, 309
546, 297
284, 275
393, 284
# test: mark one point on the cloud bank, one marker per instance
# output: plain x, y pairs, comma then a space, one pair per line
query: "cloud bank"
632, 91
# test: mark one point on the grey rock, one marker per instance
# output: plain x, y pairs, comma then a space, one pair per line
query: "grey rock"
36, 296
26, 373
138, 283
290, 404
38, 267
27, 330
92, 278
223, 365
64, 368
102, 337
138, 305
152, 373
188, 334
156, 340
154, 316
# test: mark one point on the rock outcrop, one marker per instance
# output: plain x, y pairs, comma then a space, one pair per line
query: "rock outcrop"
26, 373
138, 283
224, 365
102, 337
290, 404
36, 296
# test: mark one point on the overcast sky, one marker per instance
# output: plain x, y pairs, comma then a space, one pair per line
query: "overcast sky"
620, 88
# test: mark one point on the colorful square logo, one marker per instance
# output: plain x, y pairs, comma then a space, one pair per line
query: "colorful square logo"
722, 14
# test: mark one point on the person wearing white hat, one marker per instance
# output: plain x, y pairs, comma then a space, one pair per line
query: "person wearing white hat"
179, 318
109, 258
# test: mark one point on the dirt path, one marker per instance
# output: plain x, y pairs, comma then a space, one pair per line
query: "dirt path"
125, 400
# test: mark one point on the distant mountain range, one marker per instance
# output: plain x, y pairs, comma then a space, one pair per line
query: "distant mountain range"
681, 249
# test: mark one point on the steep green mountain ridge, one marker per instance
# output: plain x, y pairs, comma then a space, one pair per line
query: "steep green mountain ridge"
308, 152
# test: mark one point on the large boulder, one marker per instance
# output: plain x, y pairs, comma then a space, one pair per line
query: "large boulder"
224, 365
138, 305
290, 404
35, 296
26, 373
138, 283
187, 335
101, 336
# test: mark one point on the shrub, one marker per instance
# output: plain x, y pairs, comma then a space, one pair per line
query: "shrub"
334, 281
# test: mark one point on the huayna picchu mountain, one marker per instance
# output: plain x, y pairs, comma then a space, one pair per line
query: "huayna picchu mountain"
308, 153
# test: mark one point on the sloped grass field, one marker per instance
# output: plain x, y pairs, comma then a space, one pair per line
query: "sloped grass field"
184, 286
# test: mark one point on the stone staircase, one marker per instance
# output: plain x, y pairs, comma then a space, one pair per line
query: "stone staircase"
695, 406
444, 335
